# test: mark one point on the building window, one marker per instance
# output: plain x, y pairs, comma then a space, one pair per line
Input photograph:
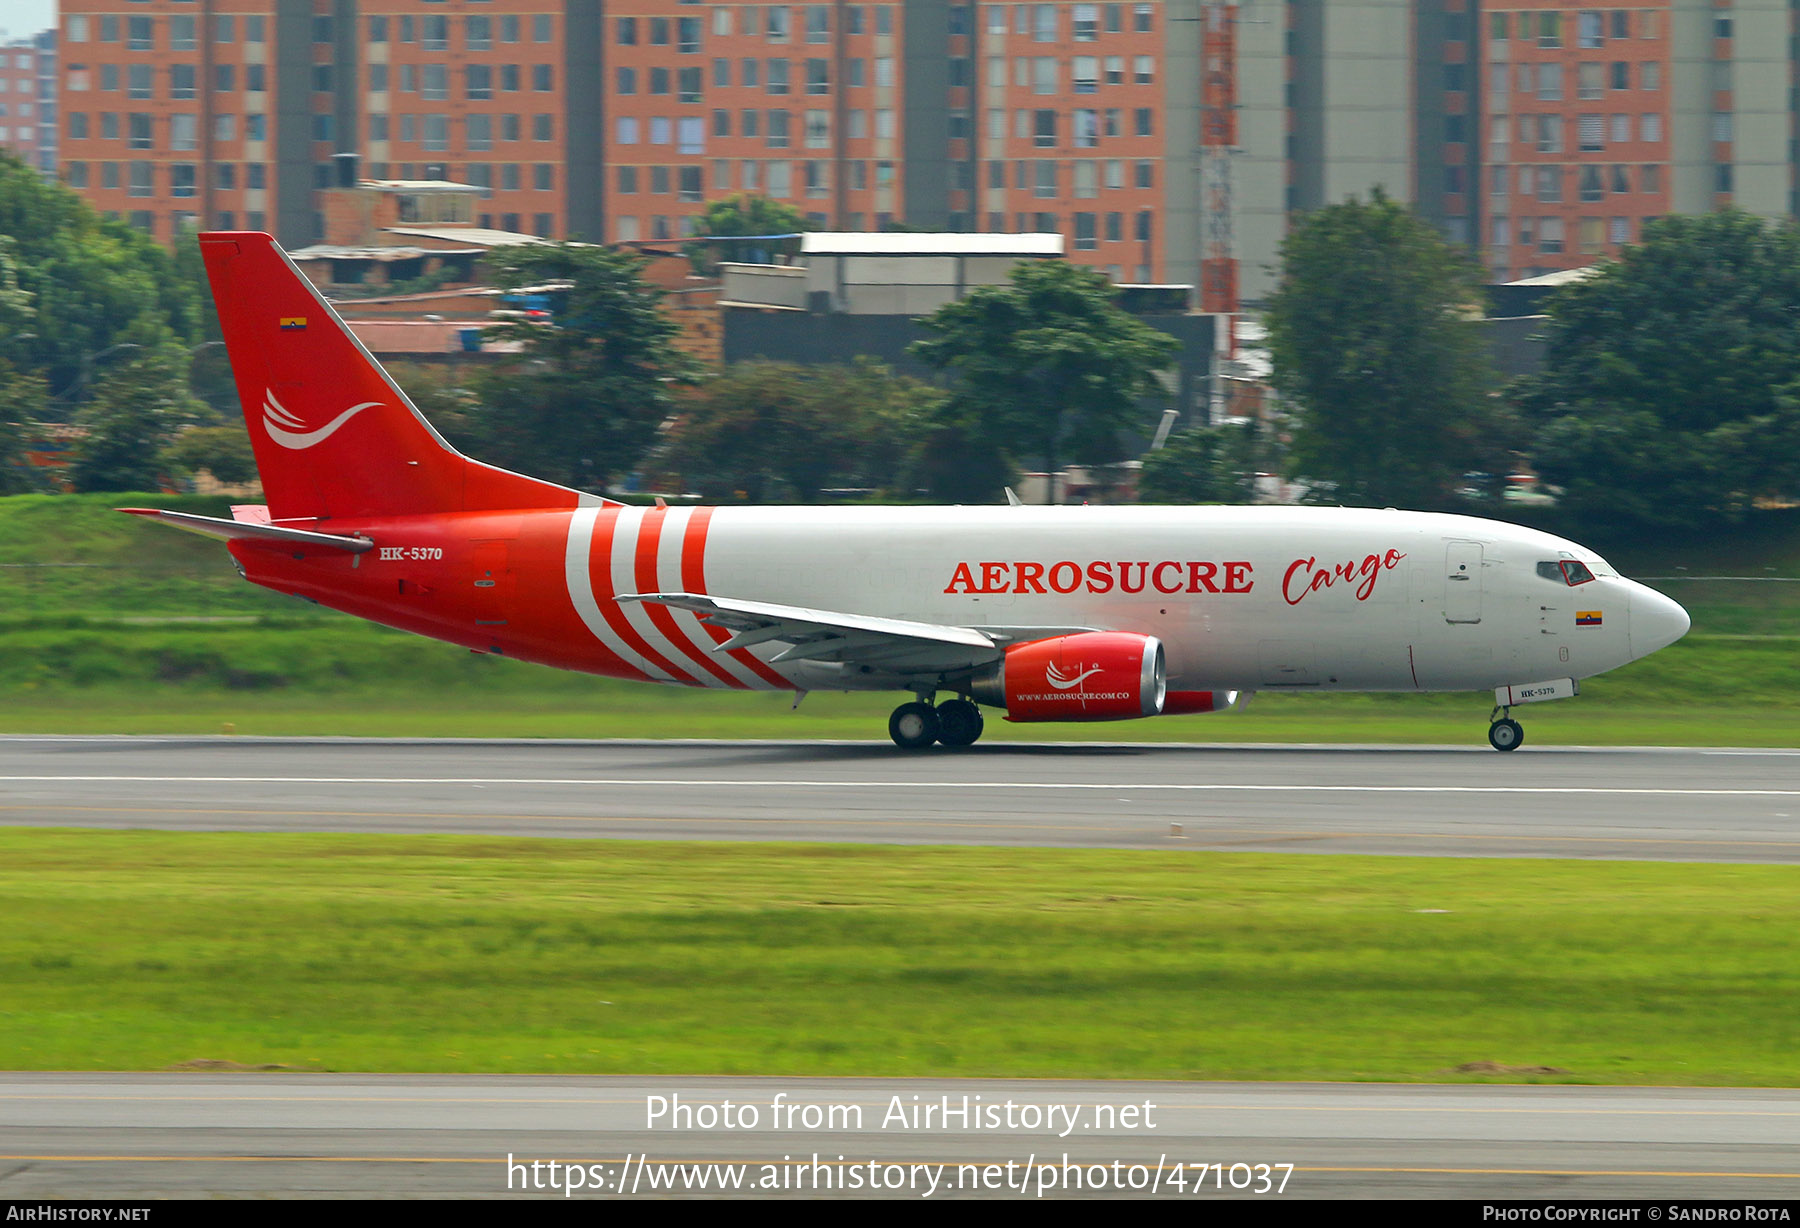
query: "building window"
1591, 132
1144, 122
691, 132
1550, 235
434, 33
540, 78
478, 82
481, 132
435, 83
478, 33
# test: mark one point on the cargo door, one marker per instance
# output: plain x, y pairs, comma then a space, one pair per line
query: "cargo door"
1462, 582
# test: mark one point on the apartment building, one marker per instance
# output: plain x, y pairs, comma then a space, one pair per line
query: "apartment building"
1599, 118
235, 113
28, 79
1539, 133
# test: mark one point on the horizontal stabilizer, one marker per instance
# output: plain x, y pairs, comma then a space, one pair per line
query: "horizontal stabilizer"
211, 526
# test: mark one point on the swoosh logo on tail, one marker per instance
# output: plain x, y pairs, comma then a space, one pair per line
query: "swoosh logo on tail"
276, 420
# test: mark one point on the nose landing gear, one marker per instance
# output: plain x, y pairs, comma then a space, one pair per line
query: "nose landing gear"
1505, 733
954, 723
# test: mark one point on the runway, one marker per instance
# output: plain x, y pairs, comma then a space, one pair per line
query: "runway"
191, 1135
1649, 803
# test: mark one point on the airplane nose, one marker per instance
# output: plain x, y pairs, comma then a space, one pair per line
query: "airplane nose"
1656, 621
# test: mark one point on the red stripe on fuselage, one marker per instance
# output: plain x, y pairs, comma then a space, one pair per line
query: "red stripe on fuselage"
649, 538
600, 567
693, 580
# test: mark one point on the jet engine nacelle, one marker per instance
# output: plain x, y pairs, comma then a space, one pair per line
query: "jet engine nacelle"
1093, 676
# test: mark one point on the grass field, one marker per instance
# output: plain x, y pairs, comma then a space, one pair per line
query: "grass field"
353, 678
134, 950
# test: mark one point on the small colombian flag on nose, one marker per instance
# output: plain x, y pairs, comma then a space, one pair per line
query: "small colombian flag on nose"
293, 322
1587, 618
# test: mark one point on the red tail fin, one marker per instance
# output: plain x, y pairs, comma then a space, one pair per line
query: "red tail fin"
334, 436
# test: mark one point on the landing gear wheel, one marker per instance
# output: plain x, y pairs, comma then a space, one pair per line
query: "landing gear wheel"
913, 726
1505, 734
959, 722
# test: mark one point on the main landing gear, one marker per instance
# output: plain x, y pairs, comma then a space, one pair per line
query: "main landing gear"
955, 722
1505, 733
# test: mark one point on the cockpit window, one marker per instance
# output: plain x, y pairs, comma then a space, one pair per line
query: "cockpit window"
1568, 572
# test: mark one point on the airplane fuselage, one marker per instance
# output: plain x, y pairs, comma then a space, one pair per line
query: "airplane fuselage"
1242, 598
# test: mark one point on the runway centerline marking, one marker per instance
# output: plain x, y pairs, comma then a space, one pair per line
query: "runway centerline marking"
701, 782
1198, 821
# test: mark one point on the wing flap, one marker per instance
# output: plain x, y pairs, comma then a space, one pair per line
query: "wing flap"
756, 617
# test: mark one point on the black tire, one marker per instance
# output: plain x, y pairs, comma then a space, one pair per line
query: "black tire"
1506, 735
959, 723
913, 726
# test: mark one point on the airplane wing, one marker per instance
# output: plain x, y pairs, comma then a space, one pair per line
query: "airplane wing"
892, 644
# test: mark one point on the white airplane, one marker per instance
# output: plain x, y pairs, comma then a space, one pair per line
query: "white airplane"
1050, 614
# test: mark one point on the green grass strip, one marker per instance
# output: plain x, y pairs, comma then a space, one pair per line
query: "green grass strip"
135, 950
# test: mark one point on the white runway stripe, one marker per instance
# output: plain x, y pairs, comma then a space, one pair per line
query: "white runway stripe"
1515, 790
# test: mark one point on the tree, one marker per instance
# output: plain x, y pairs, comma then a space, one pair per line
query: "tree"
1048, 361
593, 386
22, 400
223, 451
1671, 391
743, 213
73, 284
136, 408
1374, 350
765, 431
1203, 464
